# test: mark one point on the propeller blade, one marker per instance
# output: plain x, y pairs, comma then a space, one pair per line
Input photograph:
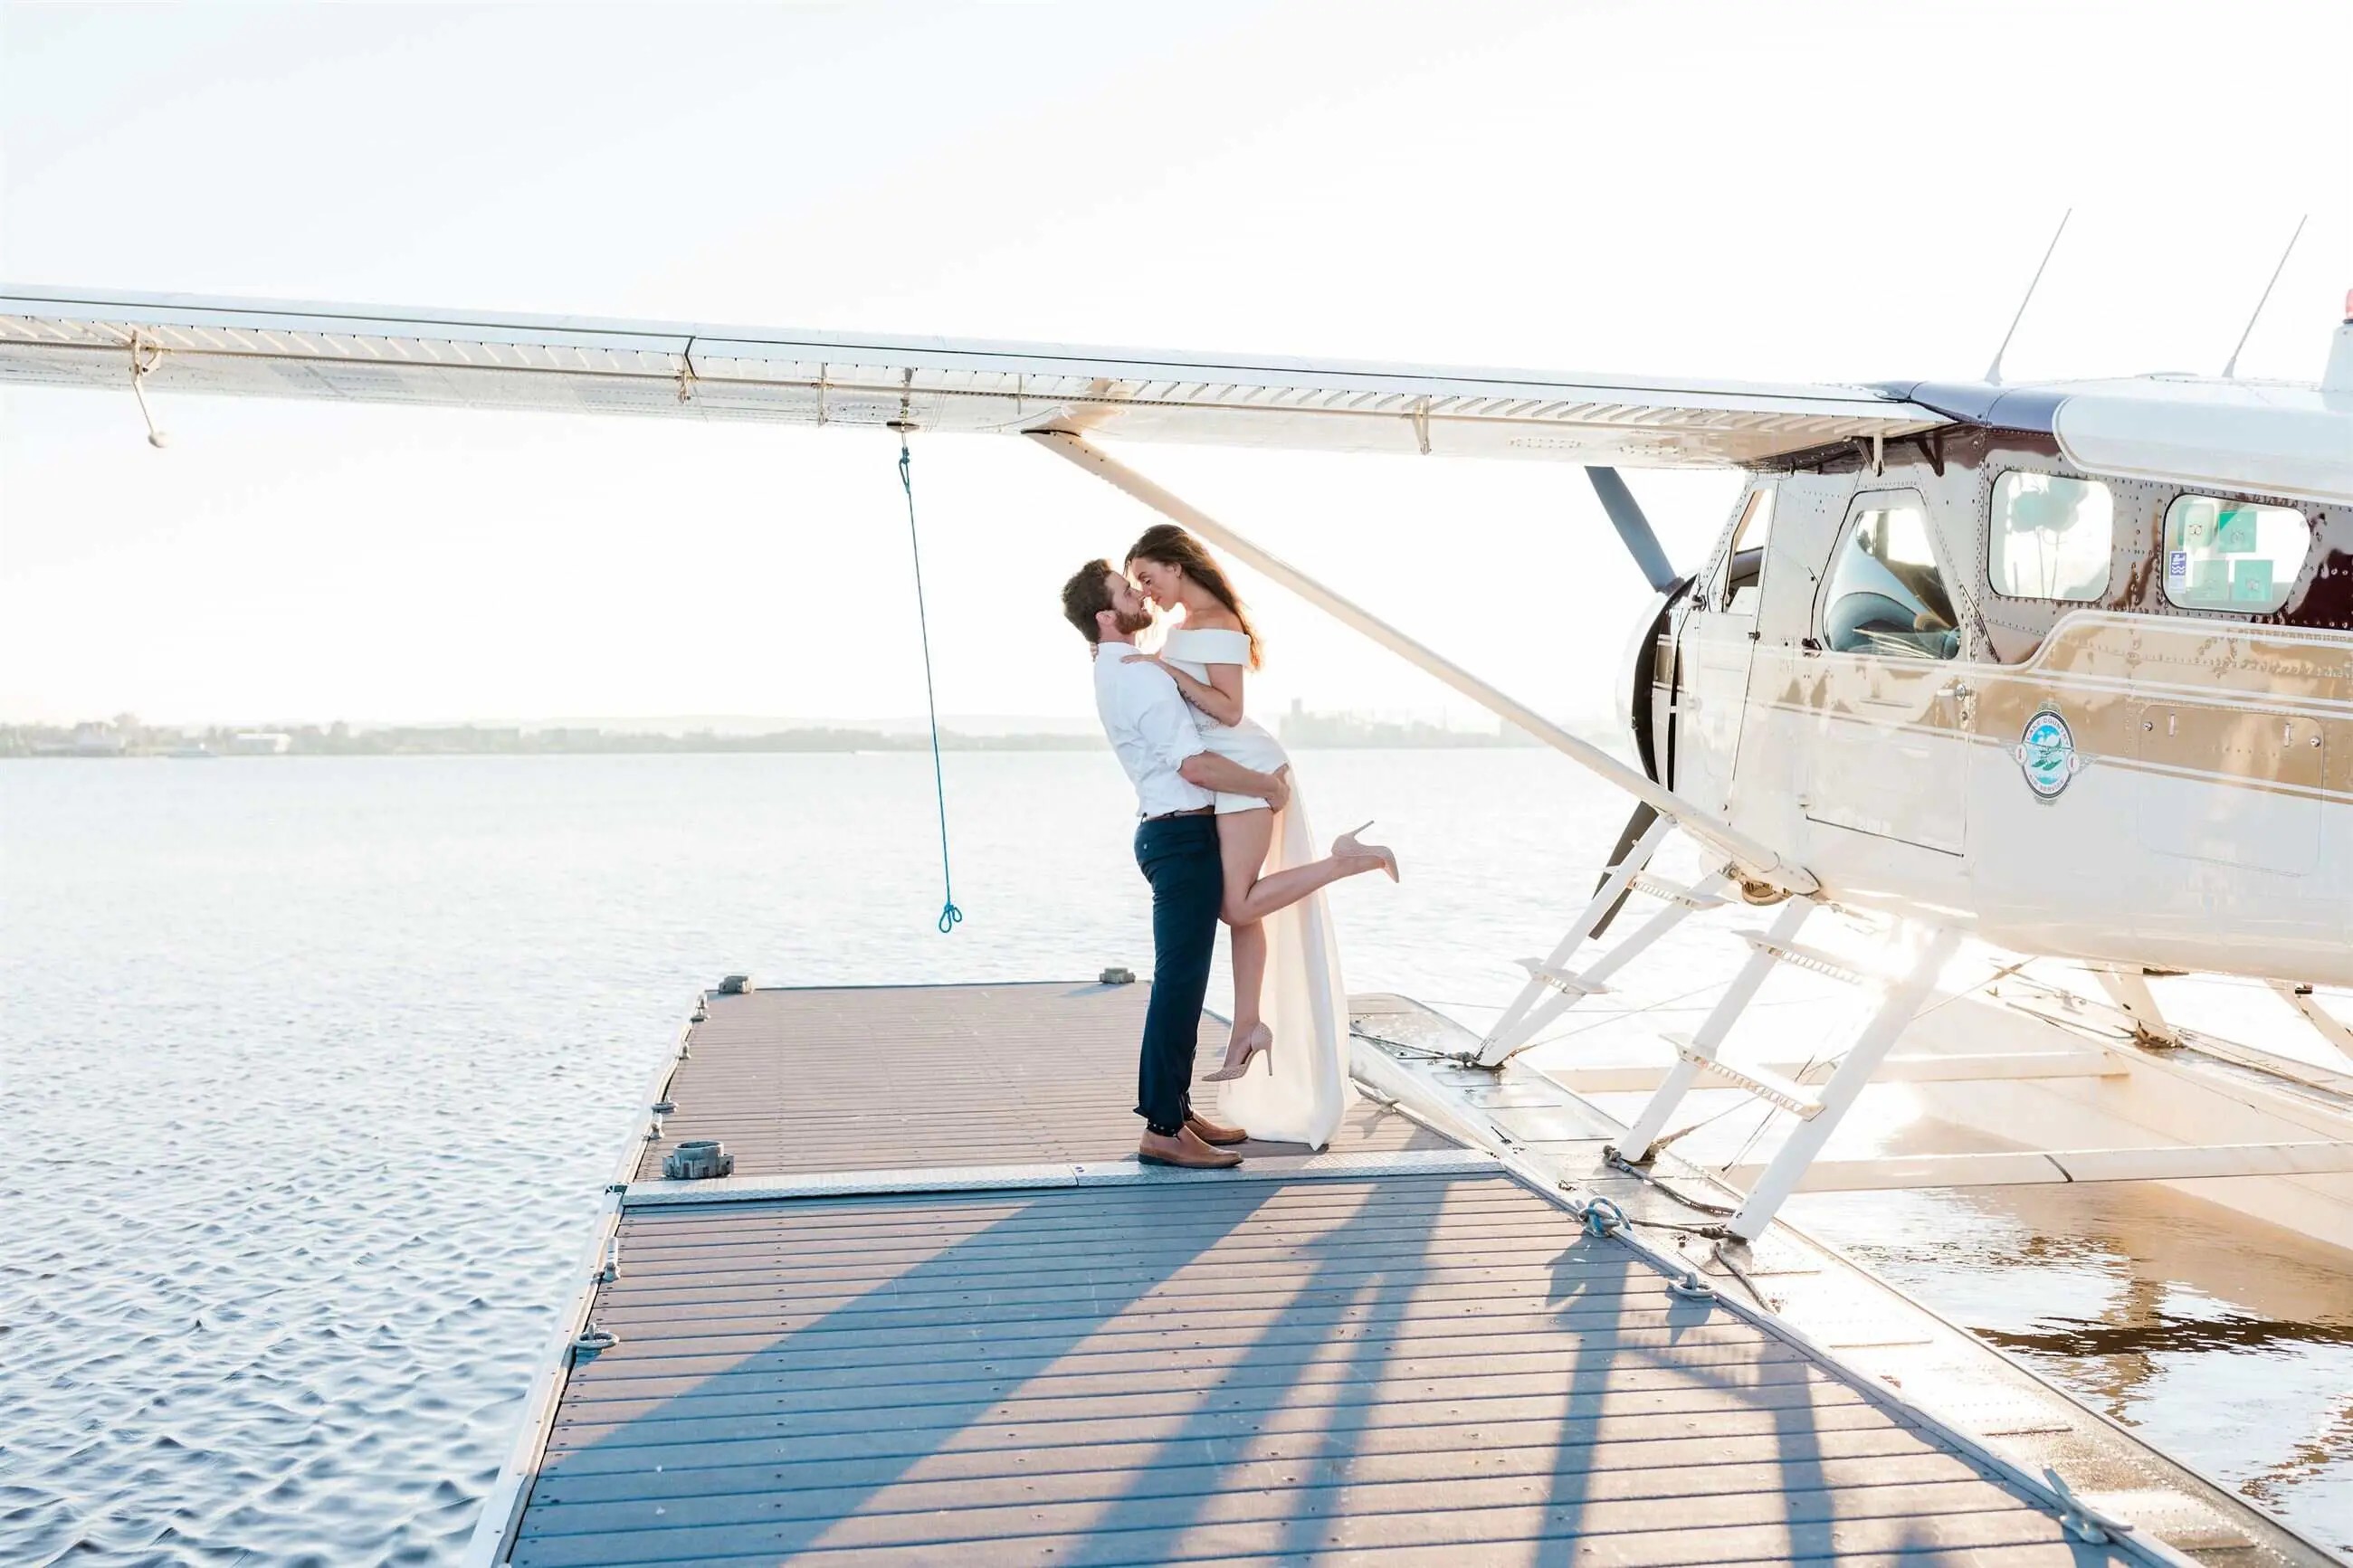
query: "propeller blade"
1632, 527
1636, 825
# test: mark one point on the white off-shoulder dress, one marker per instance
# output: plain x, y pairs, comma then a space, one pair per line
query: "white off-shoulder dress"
1302, 1097
1249, 742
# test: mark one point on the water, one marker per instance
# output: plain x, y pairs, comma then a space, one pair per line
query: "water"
316, 1065
2223, 1342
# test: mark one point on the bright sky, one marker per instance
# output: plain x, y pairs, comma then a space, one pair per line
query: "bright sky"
1770, 192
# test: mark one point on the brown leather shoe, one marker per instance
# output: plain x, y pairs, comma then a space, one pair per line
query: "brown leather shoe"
1210, 1132
1184, 1149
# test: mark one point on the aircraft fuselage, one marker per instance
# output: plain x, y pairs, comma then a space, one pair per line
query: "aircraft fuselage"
2095, 717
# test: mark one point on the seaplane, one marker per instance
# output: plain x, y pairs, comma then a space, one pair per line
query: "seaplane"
2065, 668
2053, 673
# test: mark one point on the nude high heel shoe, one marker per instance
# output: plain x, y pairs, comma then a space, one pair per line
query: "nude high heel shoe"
1346, 848
1260, 1040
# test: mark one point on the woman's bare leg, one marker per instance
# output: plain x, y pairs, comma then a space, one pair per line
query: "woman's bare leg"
1250, 980
1243, 838
1250, 897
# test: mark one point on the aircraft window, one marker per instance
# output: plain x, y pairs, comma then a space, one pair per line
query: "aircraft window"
2053, 537
2232, 556
1886, 593
1744, 568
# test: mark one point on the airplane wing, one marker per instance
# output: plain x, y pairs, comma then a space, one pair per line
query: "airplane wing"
59, 337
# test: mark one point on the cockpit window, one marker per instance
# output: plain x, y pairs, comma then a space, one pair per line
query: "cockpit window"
1738, 586
2050, 537
2232, 554
1886, 593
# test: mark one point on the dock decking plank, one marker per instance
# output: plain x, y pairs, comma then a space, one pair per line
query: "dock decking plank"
1507, 1333
1045, 1380
1467, 1401
1461, 1516
1304, 1457
1261, 1476
909, 1077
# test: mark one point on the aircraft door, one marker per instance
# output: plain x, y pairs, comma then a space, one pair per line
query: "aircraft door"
1713, 654
2233, 786
1888, 750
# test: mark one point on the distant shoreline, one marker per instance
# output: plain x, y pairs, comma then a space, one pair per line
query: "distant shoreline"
118, 740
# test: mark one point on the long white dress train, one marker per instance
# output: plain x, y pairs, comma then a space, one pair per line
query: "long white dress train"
1305, 1001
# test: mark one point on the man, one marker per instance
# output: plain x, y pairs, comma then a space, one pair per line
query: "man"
1151, 728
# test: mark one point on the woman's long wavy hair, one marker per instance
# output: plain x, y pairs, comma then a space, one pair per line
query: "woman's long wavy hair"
1170, 545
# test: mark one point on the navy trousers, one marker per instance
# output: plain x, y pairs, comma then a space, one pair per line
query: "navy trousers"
1178, 856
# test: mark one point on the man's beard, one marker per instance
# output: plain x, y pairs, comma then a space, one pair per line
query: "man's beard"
1133, 622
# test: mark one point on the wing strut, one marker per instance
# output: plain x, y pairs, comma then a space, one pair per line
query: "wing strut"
1755, 857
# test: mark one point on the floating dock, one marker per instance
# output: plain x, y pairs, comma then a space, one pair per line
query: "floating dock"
937, 1313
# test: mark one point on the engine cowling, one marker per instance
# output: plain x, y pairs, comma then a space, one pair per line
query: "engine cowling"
1637, 672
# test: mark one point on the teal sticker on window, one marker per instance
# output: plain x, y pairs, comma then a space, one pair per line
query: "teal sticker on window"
2238, 556
2250, 581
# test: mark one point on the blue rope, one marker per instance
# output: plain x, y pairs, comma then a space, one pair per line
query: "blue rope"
949, 914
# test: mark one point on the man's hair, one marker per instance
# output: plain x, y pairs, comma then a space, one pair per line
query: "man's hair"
1086, 596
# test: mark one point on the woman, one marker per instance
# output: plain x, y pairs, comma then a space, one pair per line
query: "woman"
1273, 901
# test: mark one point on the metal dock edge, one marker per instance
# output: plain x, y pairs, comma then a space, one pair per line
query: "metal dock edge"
503, 1507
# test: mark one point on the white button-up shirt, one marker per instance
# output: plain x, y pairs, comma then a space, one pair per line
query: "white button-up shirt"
1150, 725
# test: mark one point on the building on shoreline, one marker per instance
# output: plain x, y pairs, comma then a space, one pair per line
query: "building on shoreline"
1310, 730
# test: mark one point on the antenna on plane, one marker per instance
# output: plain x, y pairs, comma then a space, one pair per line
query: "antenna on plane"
1993, 371
2231, 368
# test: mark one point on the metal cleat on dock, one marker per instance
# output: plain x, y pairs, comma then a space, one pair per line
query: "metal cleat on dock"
698, 1159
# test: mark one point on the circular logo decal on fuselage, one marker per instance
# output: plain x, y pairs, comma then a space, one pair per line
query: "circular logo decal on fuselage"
2046, 753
